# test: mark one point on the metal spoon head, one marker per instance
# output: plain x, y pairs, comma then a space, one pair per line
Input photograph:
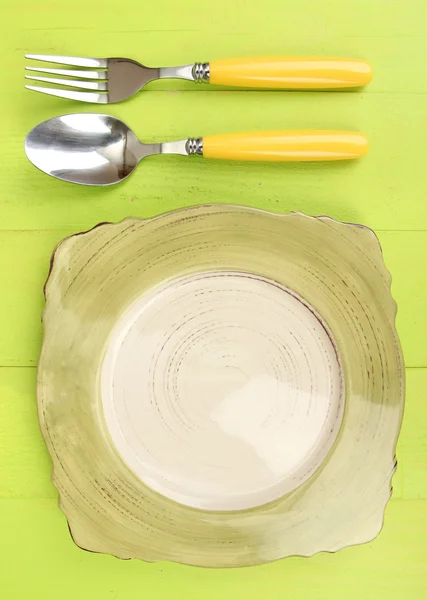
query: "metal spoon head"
89, 149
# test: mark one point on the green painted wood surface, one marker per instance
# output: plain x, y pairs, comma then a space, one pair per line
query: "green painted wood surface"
386, 190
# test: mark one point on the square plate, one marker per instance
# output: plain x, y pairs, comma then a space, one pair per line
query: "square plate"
221, 386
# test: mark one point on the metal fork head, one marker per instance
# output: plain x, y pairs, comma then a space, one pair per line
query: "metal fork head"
116, 79
126, 77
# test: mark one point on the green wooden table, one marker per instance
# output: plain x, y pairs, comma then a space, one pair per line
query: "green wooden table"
386, 190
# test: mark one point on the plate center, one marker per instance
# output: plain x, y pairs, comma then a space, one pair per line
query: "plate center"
222, 390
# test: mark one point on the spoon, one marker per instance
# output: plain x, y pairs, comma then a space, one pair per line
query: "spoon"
95, 149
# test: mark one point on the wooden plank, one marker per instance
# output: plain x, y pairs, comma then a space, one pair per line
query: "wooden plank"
24, 266
388, 32
405, 253
156, 44
379, 190
412, 448
24, 462
332, 18
41, 557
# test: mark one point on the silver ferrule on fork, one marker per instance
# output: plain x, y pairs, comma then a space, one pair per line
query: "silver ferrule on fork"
189, 147
199, 72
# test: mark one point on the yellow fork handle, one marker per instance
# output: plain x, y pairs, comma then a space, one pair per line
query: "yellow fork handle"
291, 73
286, 145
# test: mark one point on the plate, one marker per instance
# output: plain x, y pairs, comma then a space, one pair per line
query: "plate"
221, 386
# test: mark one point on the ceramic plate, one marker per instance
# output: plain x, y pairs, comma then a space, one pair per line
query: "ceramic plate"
221, 386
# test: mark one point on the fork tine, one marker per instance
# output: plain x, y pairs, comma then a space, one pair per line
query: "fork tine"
71, 72
71, 95
75, 61
83, 85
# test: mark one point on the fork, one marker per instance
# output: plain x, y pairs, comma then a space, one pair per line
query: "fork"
111, 80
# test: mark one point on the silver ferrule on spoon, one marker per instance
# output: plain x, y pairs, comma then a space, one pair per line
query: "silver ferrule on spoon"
189, 147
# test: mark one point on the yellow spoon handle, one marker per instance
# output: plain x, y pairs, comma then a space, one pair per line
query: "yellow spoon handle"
286, 145
291, 73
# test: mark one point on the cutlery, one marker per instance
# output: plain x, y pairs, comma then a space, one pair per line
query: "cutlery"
96, 149
111, 80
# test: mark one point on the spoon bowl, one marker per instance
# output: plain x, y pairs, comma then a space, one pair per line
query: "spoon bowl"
88, 149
